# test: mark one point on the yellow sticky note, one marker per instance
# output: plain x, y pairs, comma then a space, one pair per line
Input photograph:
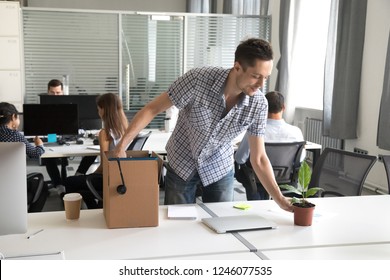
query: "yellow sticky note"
242, 206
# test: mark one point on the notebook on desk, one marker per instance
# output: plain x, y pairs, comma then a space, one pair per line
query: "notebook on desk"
238, 223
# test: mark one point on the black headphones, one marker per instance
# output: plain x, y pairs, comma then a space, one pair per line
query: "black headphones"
121, 189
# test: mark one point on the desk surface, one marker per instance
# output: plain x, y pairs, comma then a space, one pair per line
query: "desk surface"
156, 142
72, 150
338, 221
89, 238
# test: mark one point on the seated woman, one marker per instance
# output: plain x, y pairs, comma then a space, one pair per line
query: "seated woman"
114, 126
9, 124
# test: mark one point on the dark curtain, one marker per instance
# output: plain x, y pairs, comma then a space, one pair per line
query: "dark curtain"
383, 139
283, 63
343, 68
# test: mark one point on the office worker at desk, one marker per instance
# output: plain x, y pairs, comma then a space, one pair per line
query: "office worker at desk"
215, 106
115, 123
9, 124
277, 130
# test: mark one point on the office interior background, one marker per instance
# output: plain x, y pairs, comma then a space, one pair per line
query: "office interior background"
307, 87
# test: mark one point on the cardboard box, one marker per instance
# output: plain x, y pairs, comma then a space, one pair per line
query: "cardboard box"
138, 206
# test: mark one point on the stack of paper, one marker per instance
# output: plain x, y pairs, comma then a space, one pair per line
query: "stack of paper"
182, 212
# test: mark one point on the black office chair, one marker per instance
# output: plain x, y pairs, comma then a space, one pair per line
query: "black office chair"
37, 192
386, 162
285, 160
341, 173
94, 180
138, 143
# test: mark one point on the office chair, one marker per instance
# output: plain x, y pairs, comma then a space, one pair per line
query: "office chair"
93, 180
37, 192
285, 160
386, 162
138, 143
341, 173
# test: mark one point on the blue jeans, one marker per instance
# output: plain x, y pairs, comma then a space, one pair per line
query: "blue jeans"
178, 191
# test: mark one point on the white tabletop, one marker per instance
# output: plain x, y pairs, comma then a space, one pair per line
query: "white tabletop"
156, 143
71, 149
338, 221
89, 238
348, 252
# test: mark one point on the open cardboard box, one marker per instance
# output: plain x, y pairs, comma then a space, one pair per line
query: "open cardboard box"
138, 206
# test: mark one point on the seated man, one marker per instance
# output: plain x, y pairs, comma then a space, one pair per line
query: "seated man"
277, 130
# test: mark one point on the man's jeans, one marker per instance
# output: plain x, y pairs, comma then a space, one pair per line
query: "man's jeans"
178, 191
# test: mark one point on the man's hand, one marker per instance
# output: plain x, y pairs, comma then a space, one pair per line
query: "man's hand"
285, 204
119, 153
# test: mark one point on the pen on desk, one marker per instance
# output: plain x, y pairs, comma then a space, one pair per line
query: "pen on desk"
35, 233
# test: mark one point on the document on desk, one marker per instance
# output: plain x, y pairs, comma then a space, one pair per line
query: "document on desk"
182, 212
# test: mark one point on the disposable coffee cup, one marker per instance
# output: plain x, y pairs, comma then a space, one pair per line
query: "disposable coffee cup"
72, 203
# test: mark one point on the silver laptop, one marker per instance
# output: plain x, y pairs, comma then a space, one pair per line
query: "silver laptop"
13, 188
238, 223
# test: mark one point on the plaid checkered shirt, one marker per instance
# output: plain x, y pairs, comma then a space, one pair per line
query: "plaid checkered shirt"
202, 139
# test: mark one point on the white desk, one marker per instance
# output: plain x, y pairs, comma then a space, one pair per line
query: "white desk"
348, 228
71, 150
156, 142
89, 238
348, 252
340, 221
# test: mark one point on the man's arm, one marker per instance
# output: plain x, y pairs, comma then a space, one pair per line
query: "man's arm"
263, 169
158, 105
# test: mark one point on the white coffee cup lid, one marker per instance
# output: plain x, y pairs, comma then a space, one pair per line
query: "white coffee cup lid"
72, 196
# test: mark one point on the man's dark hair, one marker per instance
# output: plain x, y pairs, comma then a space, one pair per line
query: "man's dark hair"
275, 102
54, 83
250, 50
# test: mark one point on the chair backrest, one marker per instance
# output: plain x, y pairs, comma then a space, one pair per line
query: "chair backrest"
285, 160
341, 173
36, 192
138, 142
386, 162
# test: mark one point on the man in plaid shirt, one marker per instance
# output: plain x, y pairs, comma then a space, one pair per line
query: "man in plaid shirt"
215, 106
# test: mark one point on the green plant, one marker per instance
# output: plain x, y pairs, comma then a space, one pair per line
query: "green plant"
302, 188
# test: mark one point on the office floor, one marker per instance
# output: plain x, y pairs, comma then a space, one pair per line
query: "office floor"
54, 203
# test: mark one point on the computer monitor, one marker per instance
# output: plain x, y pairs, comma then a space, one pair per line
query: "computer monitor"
44, 119
88, 113
13, 188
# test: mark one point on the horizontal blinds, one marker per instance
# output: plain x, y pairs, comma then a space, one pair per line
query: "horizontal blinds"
212, 40
82, 45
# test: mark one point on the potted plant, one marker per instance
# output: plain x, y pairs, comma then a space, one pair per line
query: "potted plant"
303, 209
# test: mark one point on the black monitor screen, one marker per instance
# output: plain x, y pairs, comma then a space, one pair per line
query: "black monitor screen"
88, 114
43, 119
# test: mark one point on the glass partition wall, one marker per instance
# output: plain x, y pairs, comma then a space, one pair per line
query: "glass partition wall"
137, 55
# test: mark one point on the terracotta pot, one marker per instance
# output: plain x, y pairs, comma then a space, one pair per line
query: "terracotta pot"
303, 215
